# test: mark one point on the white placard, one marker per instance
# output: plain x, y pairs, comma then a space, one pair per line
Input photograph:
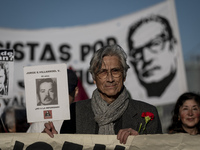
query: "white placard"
46, 90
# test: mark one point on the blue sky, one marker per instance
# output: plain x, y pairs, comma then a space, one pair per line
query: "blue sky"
37, 14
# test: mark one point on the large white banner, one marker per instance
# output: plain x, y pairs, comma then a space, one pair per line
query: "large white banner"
35, 141
150, 38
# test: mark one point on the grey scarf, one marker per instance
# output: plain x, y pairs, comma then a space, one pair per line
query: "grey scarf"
105, 114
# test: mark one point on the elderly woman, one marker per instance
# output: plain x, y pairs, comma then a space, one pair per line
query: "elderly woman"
186, 114
110, 111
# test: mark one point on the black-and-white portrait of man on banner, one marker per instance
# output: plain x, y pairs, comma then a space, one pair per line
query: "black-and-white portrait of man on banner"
151, 42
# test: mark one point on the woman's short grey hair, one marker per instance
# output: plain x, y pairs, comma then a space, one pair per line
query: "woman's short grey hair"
110, 50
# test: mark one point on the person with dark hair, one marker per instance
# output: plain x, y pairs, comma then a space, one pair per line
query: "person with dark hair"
186, 114
46, 91
72, 85
3, 80
55, 126
110, 111
152, 53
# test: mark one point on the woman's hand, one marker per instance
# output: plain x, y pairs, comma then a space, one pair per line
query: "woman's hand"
49, 129
123, 134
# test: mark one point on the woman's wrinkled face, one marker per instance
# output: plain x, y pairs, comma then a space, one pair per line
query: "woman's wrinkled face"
110, 79
189, 114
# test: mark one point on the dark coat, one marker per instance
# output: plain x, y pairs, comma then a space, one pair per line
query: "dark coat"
82, 118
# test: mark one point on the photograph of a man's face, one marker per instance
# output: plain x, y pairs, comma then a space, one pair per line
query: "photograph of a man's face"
46, 91
3, 79
151, 49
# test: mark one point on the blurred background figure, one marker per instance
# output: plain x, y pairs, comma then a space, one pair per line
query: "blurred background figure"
186, 114
14, 119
